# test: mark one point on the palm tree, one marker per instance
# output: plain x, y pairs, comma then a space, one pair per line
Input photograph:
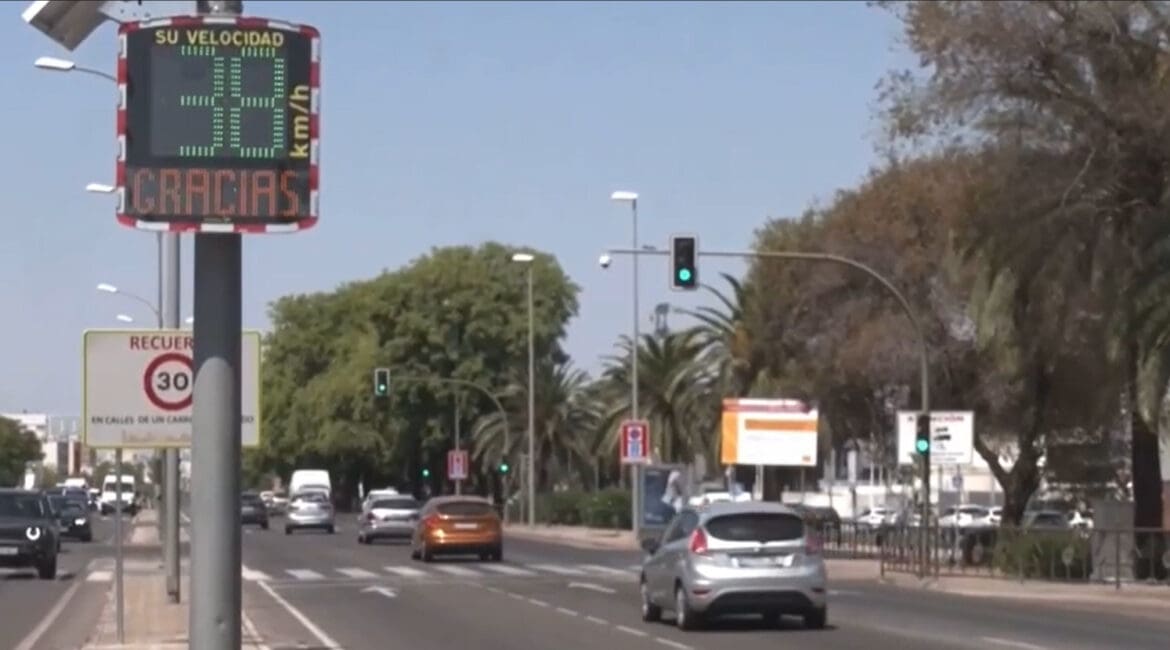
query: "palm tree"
674, 387
725, 337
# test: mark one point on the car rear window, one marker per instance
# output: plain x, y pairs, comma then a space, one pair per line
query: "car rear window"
756, 527
25, 506
251, 498
395, 504
465, 509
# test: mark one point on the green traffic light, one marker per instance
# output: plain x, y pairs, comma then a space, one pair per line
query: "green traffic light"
922, 446
684, 275
381, 388
426, 472
503, 468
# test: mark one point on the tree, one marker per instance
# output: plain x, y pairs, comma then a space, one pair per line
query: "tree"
459, 312
18, 448
1080, 87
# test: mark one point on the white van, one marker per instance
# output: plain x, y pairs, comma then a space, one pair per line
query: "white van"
310, 480
110, 490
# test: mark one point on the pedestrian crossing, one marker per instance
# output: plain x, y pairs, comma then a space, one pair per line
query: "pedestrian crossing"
441, 571
437, 571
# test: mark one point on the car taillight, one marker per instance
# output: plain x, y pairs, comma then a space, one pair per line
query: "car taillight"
812, 544
431, 521
698, 542
369, 516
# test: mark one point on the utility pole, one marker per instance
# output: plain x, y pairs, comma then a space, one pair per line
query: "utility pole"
458, 482
169, 251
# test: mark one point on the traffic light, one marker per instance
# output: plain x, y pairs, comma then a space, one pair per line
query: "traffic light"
381, 382
426, 473
503, 468
684, 273
922, 442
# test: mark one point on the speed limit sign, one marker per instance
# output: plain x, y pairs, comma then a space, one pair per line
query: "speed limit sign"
140, 385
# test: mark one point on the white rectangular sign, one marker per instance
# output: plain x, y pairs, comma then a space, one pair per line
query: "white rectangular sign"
952, 437
774, 432
137, 389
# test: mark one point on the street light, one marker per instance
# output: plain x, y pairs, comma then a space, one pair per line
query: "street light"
100, 188
527, 259
109, 288
65, 65
124, 318
624, 196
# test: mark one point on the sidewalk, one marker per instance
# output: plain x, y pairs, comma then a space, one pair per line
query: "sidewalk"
577, 536
150, 620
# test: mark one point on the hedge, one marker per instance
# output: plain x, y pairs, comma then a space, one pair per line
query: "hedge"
605, 509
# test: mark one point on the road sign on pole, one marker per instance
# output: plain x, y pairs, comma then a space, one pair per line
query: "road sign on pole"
457, 463
139, 383
635, 442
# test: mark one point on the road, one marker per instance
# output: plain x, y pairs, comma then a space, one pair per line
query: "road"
550, 596
27, 604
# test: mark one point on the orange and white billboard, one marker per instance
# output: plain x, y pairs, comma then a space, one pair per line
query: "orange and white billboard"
768, 432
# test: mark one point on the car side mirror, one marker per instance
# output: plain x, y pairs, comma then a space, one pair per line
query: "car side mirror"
650, 545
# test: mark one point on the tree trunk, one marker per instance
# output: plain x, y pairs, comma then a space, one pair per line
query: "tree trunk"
1150, 544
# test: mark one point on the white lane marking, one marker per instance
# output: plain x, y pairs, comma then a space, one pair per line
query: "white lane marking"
599, 621
538, 603
636, 568
1010, 643
495, 590
591, 587
507, 569
304, 574
556, 568
100, 576
385, 591
327, 643
566, 611
844, 592
406, 572
673, 644
630, 630
607, 570
458, 571
357, 574
29, 642
252, 635
516, 596
252, 575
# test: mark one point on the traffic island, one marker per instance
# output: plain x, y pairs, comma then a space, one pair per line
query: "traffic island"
151, 622
576, 536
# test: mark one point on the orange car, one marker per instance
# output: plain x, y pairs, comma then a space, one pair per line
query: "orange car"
458, 525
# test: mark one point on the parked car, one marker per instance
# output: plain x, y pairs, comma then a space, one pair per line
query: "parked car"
253, 511
458, 525
735, 558
393, 517
28, 532
310, 510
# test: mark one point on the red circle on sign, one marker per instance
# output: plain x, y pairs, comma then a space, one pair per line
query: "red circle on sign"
148, 385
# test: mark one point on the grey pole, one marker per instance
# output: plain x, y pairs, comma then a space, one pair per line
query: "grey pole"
635, 469
458, 482
169, 252
215, 614
119, 596
531, 405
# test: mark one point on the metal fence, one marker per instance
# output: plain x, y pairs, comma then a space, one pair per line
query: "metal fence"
1102, 555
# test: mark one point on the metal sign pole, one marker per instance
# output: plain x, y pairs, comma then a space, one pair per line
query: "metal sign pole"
215, 616
170, 317
119, 599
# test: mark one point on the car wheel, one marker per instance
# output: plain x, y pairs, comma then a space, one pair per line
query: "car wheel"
427, 555
264, 525
684, 617
47, 570
88, 537
362, 539
287, 530
498, 554
817, 618
414, 554
651, 613
329, 530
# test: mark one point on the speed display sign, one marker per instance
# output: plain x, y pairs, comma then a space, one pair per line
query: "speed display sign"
218, 125
139, 385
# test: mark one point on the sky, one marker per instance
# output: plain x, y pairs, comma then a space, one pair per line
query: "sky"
451, 124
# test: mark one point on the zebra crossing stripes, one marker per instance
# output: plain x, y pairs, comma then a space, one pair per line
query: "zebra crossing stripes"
597, 568
406, 571
357, 574
304, 574
558, 569
456, 570
508, 570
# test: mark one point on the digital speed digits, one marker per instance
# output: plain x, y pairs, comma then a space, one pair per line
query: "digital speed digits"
219, 124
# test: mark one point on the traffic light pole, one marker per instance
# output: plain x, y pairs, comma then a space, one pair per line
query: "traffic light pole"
924, 347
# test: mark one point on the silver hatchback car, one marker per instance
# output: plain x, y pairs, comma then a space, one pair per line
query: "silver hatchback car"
309, 509
735, 558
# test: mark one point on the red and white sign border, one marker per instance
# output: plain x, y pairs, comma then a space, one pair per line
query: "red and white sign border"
314, 126
451, 463
625, 443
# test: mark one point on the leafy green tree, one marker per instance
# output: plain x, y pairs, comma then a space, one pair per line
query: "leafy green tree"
18, 448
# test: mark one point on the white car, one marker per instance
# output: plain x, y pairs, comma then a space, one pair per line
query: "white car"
965, 516
874, 517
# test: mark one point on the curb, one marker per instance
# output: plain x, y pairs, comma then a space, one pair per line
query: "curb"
597, 544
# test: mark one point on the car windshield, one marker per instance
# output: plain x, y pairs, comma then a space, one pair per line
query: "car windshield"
395, 504
23, 506
310, 497
251, 499
756, 527
465, 509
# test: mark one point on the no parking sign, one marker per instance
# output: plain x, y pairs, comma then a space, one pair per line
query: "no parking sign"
635, 448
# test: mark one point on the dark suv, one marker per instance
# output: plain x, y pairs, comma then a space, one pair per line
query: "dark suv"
28, 532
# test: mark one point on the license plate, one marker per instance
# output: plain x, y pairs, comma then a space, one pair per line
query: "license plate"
760, 561
7, 550
465, 526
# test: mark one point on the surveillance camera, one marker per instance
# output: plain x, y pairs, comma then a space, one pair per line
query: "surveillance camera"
604, 261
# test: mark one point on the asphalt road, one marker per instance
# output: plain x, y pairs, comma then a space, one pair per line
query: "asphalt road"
27, 602
344, 595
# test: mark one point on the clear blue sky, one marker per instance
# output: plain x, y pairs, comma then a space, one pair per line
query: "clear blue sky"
453, 123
